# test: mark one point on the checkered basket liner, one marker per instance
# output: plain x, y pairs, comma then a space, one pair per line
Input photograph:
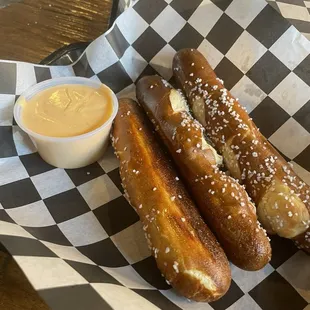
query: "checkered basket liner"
297, 12
73, 233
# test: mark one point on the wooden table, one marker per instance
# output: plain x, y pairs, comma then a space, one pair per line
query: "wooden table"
30, 30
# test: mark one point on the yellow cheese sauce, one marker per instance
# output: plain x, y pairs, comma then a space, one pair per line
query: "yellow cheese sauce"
67, 110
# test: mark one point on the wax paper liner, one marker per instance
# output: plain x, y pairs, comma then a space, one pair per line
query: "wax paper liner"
72, 232
297, 12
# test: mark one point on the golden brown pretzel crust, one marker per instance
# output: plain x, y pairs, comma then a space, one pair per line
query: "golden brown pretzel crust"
281, 197
222, 201
186, 251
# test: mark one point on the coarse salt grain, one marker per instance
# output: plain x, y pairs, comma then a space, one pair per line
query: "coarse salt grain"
167, 250
154, 189
175, 267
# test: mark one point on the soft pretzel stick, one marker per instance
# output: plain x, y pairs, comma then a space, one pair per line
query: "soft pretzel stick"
222, 201
186, 251
281, 197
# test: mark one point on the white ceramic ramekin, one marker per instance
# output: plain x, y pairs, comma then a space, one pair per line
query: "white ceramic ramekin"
68, 152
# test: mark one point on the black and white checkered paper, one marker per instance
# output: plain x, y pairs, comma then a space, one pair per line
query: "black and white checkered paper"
72, 232
296, 12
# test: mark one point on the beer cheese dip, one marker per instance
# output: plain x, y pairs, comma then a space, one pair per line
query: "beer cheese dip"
67, 110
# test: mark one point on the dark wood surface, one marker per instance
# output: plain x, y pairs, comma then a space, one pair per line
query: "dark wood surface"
30, 30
